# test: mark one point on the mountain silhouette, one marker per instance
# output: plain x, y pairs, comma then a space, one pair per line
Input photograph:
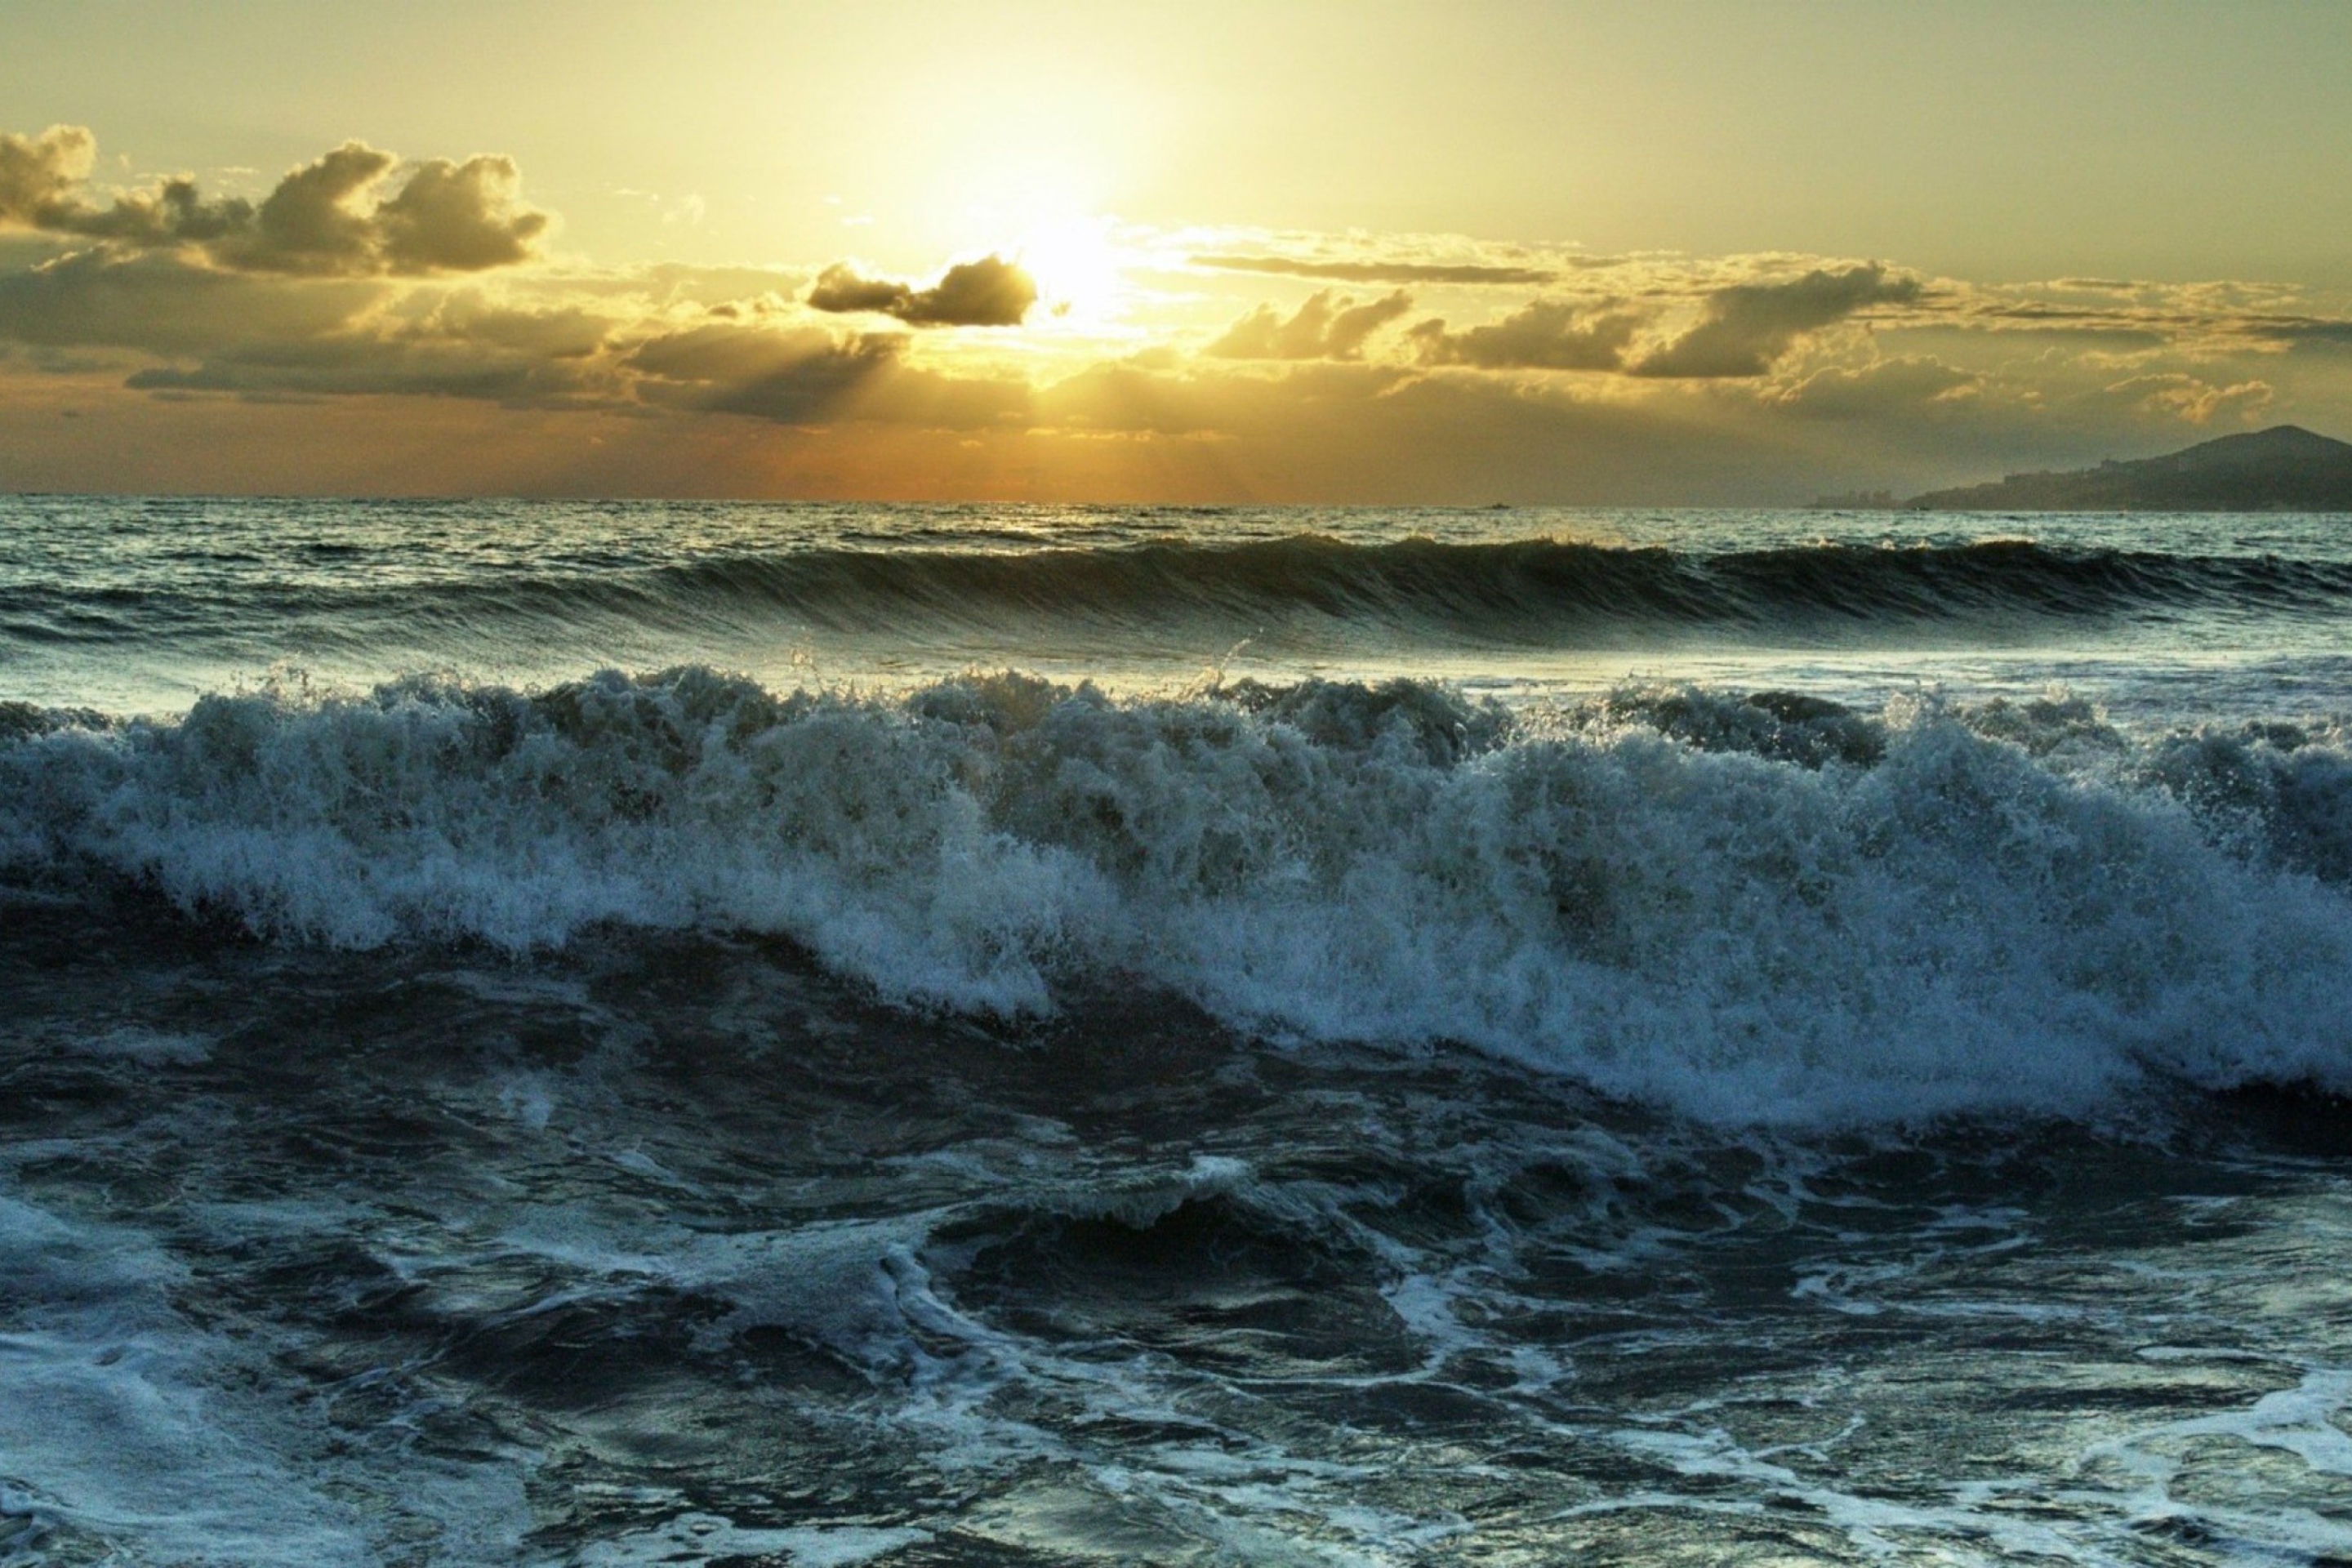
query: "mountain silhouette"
2282, 468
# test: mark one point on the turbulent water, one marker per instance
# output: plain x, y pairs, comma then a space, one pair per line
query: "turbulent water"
558, 1034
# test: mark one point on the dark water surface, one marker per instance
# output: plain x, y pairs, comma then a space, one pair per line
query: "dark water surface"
677, 1250
1793, 1050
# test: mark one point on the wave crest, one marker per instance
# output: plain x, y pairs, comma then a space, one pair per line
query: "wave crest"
1535, 593
1749, 908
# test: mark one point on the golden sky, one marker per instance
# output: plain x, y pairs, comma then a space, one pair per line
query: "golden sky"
1410, 252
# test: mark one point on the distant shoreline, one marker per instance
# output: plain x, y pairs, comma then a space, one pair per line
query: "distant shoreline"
2285, 468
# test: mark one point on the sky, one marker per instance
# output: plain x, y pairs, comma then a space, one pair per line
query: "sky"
1372, 253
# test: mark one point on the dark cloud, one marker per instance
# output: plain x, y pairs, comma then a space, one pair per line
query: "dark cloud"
41, 187
1547, 334
1327, 326
990, 292
253, 333
331, 217
810, 377
563, 332
164, 304
171, 214
2323, 332
312, 222
1748, 326
2170, 317
726, 351
2116, 324
842, 289
364, 366
1376, 271
459, 345
458, 217
803, 377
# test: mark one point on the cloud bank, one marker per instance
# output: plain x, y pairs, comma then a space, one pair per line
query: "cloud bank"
367, 294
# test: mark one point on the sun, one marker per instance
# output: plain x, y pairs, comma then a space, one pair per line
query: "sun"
1076, 263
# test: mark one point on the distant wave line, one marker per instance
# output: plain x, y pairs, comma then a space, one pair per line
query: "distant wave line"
1529, 591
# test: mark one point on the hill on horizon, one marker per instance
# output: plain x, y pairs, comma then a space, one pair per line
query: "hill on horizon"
2282, 468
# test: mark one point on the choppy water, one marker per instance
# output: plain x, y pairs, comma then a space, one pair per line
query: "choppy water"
554, 1034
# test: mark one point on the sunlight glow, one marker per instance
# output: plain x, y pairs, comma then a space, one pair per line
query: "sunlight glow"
1075, 264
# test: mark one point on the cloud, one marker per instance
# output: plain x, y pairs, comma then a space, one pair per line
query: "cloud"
1906, 386
41, 185
990, 292
808, 376
163, 303
2191, 398
334, 217
365, 366
40, 174
802, 377
1748, 326
458, 217
1330, 325
566, 331
1378, 271
463, 344
842, 289
1730, 378
310, 222
444, 345
254, 332
2317, 332
1370, 432
1546, 334
2219, 316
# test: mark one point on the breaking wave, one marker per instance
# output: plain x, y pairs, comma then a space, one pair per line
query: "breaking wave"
1742, 908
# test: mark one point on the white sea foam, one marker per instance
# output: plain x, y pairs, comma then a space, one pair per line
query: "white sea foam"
1744, 911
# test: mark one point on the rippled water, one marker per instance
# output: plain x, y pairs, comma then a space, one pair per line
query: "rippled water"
1827, 1099
143, 605
681, 1250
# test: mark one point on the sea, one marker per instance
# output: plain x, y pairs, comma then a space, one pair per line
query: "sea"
601, 1034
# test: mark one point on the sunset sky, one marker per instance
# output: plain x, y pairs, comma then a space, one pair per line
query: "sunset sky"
1449, 253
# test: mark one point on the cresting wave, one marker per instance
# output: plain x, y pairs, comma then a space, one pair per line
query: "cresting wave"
1535, 592
1766, 908
1534, 588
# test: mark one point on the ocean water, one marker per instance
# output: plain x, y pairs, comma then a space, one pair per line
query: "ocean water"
627, 1033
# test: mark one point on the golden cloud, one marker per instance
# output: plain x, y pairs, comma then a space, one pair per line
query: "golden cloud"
1330, 325
342, 215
